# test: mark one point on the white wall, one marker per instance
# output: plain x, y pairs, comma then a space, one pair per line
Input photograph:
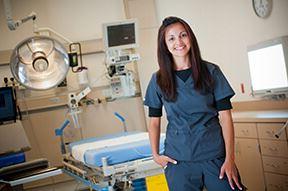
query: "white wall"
224, 29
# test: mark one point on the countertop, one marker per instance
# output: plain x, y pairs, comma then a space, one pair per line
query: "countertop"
260, 116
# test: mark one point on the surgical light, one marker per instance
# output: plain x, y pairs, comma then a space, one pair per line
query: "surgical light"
39, 62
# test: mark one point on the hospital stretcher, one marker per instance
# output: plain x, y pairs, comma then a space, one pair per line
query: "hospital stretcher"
111, 161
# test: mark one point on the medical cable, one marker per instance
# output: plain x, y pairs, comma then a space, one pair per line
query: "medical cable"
281, 130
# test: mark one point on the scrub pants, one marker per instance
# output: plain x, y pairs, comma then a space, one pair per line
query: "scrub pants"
193, 176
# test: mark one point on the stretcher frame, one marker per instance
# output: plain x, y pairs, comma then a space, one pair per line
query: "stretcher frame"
107, 176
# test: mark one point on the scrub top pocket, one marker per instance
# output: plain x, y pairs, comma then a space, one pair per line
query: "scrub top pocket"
178, 144
212, 142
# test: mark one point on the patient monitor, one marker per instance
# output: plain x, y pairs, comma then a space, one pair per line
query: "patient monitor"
120, 38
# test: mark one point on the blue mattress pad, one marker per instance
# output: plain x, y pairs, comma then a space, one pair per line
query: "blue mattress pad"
116, 150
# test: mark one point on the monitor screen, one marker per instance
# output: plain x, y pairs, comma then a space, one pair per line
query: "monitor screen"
7, 105
120, 35
268, 67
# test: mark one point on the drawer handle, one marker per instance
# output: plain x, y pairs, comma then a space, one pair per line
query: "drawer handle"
273, 166
237, 148
273, 149
270, 133
245, 132
276, 187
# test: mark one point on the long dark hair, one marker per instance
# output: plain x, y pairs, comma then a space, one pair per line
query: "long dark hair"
165, 75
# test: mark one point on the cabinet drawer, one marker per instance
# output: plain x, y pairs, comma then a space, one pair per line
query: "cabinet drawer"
274, 148
275, 182
245, 130
277, 165
268, 130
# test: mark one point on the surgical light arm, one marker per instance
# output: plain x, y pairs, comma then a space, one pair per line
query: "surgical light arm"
10, 22
73, 104
75, 99
13, 25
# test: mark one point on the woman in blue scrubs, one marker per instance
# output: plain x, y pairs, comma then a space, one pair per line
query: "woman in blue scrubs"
199, 149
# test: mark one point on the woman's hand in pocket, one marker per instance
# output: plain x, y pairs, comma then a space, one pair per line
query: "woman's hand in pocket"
163, 160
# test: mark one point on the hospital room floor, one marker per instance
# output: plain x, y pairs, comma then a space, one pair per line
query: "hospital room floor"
63, 186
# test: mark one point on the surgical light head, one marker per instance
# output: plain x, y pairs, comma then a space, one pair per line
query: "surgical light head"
39, 62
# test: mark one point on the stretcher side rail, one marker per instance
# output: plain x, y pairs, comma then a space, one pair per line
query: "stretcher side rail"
79, 168
90, 176
145, 166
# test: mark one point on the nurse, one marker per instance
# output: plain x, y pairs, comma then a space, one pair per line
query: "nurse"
199, 149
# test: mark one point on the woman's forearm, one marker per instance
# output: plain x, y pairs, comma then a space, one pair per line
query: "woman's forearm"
154, 134
228, 133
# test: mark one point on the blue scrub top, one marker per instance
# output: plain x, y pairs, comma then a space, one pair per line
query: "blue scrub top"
193, 131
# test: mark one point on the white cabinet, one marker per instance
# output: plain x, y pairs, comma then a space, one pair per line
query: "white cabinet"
262, 158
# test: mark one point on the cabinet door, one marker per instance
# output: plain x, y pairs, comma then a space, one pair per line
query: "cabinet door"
249, 163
